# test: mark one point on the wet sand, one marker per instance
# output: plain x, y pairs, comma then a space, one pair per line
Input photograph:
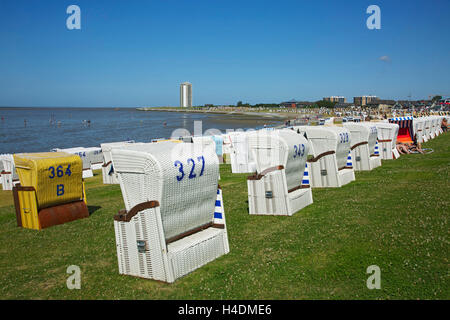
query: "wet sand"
245, 119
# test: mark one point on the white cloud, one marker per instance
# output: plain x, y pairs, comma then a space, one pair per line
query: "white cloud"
385, 58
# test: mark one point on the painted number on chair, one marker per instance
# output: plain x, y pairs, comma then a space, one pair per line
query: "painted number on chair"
373, 130
343, 137
299, 151
59, 190
178, 164
59, 172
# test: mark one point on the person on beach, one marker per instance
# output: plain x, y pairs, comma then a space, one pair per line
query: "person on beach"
444, 125
416, 146
406, 148
402, 148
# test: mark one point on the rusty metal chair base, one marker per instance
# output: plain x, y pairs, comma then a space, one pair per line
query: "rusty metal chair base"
63, 213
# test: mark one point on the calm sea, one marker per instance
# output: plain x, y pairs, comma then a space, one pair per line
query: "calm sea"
42, 129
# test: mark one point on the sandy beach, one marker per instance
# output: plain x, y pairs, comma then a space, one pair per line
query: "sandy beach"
277, 116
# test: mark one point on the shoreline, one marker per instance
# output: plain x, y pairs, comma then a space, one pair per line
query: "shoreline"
260, 115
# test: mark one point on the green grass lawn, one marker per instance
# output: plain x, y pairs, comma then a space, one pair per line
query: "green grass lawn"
395, 216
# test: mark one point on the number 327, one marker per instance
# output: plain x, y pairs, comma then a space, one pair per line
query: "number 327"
192, 175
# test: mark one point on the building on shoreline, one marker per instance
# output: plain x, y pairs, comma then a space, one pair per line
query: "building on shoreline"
339, 99
295, 104
186, 95
381, 105
364, 100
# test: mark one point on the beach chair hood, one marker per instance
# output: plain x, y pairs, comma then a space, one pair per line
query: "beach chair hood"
182, 177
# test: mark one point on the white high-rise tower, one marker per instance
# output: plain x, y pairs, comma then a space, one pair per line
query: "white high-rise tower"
186, 95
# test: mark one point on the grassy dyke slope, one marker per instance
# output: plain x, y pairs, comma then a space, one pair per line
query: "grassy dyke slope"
394, 216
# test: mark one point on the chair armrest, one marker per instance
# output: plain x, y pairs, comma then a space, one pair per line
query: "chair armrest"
265, 172
125, 216
106, 164
321, 156
359, 144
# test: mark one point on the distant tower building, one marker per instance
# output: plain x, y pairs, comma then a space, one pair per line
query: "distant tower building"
186, 95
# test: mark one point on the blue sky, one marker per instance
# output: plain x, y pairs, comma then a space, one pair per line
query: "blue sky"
136, 53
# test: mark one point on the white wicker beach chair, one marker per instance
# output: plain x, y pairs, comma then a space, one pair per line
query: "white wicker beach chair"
432, 127
363, 137
84, 154
218, 141
9, 174
437, 125
428, 128
226, 148
329, 149
439, 129
277, 187
108, 174
241, 159
95, 156
387, 139
329, 121
418, 127
204, 140
174, 220
187, 139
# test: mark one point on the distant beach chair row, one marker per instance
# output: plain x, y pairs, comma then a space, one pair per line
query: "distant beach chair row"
92, 158
387, 133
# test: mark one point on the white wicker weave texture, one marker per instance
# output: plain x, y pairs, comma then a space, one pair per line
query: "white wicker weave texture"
181, 176
343, 145
280, 147
387, 131
241, 160
9, 176
79, 151
326, 139
109, 176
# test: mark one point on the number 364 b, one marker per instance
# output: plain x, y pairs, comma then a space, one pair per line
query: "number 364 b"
59, 172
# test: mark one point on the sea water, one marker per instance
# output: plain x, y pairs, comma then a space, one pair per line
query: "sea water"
42, 129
